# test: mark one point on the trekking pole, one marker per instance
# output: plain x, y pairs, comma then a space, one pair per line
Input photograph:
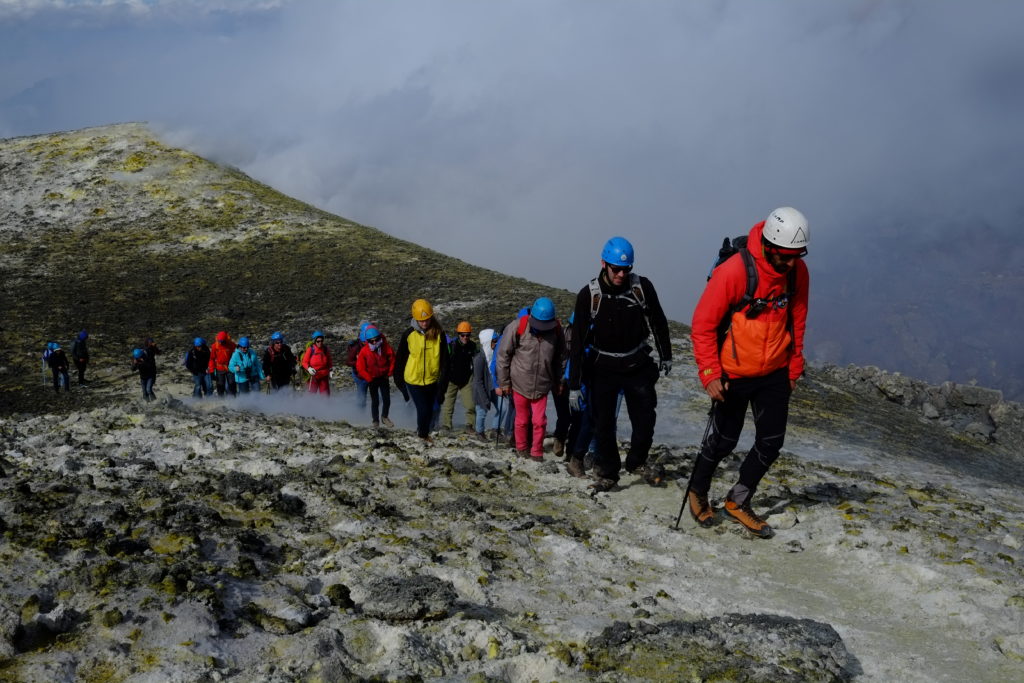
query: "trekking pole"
703, 443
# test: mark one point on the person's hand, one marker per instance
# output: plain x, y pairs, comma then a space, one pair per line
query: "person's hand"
497, 391
576, 400
716, 389
665, 367
792, 385
311, 371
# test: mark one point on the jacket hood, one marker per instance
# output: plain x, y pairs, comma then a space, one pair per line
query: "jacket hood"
485, 343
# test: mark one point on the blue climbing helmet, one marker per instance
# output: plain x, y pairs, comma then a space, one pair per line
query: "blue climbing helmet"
50, 346
277, 336
138, 353
316, 334
617, 252
56, 346
243, 342
198, 341
362, 329
83, 335
543, 309
370, 332
542, 315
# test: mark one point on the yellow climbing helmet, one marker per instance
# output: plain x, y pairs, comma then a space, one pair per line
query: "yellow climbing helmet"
421, 310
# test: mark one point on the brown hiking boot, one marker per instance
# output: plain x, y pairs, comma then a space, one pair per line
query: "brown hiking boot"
575, 467
523, 453
601, 485
700, 509
559, 447
745, 516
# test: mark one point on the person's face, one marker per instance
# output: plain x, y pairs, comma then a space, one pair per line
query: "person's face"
424, 324
319, 340
277, 344
782, 263
464, 337
616, 274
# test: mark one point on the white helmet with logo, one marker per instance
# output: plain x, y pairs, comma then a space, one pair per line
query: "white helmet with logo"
787, 228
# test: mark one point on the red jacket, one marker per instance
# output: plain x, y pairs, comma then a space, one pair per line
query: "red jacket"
372, 364
757, 346
220, 354
318, 359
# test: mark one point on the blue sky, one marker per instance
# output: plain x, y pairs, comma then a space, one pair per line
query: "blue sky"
520, 135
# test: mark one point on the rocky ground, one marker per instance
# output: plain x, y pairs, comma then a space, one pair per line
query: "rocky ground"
285, 540
197, 541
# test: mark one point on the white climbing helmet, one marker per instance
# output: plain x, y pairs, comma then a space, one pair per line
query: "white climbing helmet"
787, 228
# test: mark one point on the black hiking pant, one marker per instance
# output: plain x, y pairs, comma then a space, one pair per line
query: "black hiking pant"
768, 398
380, 398
562, 414
425, 399
637, 388
81, 364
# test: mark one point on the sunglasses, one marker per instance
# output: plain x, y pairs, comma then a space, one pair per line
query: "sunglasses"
787, 255
620, 269
465, 334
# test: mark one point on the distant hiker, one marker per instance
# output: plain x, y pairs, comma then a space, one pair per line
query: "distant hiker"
483, 383
460, 378
375, 363
615, 315
197, 361
531, 360
220, 356
278, 362
421, 365
57, 360
318, 363
351, 354
246, 366
144, 362
749, 351
80, 355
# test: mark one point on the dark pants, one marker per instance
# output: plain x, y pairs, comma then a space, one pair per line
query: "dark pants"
147, 387
637, 388
562, 418
81, 364
225, 382
60, 375
201, 385
581, 428
380, 398
425, 399
768, 398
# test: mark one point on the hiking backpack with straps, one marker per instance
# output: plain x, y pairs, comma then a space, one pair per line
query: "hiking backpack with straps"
634, 293
738, 245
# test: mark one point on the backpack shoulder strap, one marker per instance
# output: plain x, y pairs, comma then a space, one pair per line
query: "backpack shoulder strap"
595, 297
751, 269
638, 290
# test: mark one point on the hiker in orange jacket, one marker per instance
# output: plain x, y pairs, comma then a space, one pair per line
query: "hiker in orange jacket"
317, 363
220, 357
750, 351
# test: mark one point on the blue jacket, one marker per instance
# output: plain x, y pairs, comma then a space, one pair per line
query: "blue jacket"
246, 365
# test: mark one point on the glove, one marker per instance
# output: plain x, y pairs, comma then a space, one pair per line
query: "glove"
576, 400
311, 371
665, 367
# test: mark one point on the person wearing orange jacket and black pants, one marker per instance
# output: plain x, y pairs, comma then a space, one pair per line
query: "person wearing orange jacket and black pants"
749, 351
220, 355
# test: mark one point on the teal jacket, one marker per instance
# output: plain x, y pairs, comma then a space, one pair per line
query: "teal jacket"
246, 365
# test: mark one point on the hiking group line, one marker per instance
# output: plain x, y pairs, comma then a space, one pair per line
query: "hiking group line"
748, 338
